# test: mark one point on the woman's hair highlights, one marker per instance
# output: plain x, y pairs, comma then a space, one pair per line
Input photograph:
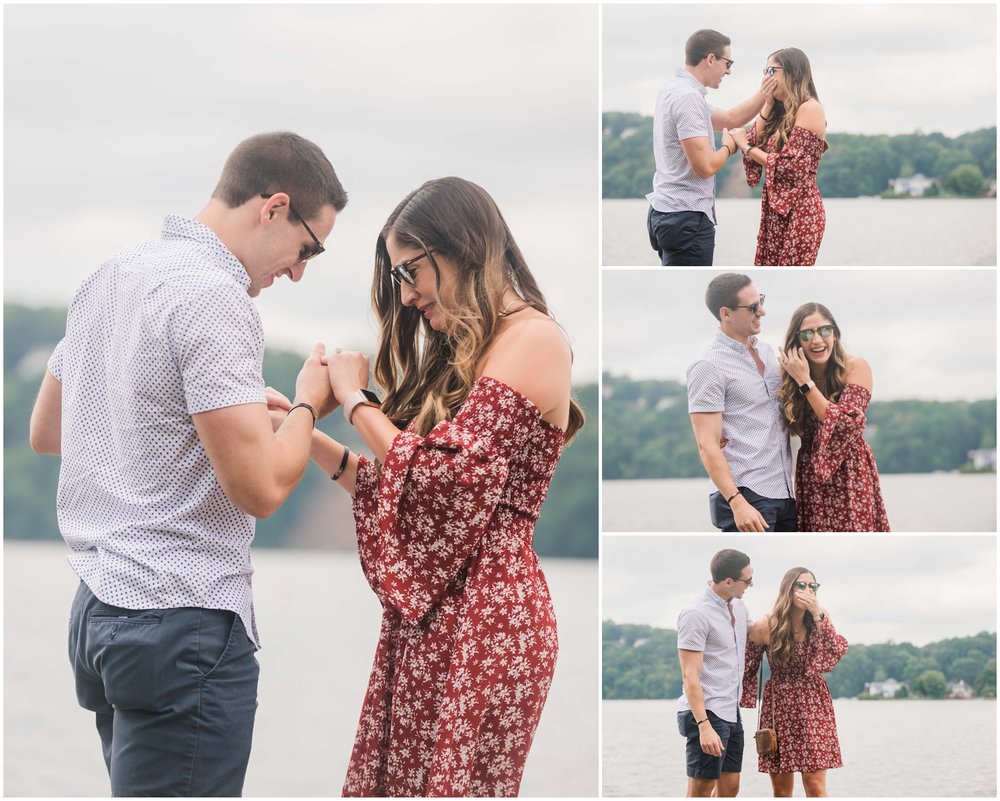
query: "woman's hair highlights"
782, 636
426, 373
799, 87
795, 403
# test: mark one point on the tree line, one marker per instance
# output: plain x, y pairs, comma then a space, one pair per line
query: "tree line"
647, 432
856, 165
568, 525
640, 662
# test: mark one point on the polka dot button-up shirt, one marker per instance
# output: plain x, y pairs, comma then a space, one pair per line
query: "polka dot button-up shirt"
163, 330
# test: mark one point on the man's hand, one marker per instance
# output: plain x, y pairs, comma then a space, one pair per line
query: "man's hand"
312, 385
277, 407
746, 516
709, 738
739, 137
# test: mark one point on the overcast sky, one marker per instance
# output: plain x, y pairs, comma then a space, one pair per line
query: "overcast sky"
117, 115
878, 68
928, 334
916, 589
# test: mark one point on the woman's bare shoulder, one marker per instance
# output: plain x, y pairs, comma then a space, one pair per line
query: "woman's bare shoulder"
858, 372
812, 116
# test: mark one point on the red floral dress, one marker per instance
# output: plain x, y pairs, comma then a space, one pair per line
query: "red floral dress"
803, 709
468, 641
792, 217
836, 481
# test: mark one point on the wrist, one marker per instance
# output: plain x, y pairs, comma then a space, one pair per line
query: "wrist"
360, 397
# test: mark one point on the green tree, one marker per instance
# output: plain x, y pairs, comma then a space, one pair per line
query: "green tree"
985, 684
931, 684
965, 180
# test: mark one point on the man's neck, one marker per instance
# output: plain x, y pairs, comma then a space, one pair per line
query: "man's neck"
697, 74
745, 341
721, 592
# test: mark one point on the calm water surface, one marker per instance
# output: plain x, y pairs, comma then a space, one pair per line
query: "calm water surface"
318, 620
890, 748
867, 232
942, 502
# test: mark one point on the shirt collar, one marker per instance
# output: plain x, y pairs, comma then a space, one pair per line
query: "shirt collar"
722, 338
176, 227
682, 73
717, 599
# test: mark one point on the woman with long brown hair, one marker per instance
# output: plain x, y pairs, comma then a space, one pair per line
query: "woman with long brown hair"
786, 142
475, 412
801, 645
825, 392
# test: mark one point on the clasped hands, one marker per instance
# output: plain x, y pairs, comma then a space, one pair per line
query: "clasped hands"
324, 382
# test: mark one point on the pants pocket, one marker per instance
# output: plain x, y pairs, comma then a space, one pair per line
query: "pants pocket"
123, 648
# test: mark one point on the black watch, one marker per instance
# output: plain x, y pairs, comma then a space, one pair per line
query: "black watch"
804, 388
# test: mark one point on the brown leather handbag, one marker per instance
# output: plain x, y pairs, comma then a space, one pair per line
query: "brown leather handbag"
766, 739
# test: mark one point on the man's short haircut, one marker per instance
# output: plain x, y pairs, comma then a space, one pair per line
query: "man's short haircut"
703, 42
722, 291
281, 162
728, 563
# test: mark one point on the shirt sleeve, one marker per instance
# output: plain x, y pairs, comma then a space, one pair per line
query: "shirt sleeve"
55, 363
788, 171
755, 653
842, 427
753, 170
692, 630
422, 515
706, 388
689, 114
219, 348
826, 649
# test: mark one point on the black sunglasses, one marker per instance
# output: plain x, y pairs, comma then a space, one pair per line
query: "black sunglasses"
307, 251
806, 334
729, 61
748, 582
801, 585
769, 70
402, 274
753, 307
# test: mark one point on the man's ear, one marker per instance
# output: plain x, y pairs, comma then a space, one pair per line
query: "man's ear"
278, 203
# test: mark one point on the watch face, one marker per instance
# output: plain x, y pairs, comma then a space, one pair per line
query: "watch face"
371, 397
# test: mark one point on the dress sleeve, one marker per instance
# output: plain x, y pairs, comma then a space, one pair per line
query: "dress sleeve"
751, 167
826, 649
755, 652
842, 427
788, 173
420, 517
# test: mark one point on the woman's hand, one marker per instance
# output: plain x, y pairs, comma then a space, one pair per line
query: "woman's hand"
810, 602
348, 372
767, 87
739, 137
793, 361
277, 406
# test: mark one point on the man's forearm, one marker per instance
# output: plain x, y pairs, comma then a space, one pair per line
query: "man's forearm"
718, 470
740, 114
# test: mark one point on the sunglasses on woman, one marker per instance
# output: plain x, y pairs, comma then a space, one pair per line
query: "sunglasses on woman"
802, 585
402, 274
770, 70
806, 334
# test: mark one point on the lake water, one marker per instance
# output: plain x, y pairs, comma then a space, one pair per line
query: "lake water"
867, 232
318, 620
941, 502
890, 748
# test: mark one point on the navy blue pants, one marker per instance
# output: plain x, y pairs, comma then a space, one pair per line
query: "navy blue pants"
681, 238
778, 513
174, 692
705, 766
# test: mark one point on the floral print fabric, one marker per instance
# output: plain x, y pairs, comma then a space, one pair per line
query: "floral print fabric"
803, 709
836, 481
792, 217
468, 641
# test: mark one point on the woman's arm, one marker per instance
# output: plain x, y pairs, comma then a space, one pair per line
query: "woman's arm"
349, 373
